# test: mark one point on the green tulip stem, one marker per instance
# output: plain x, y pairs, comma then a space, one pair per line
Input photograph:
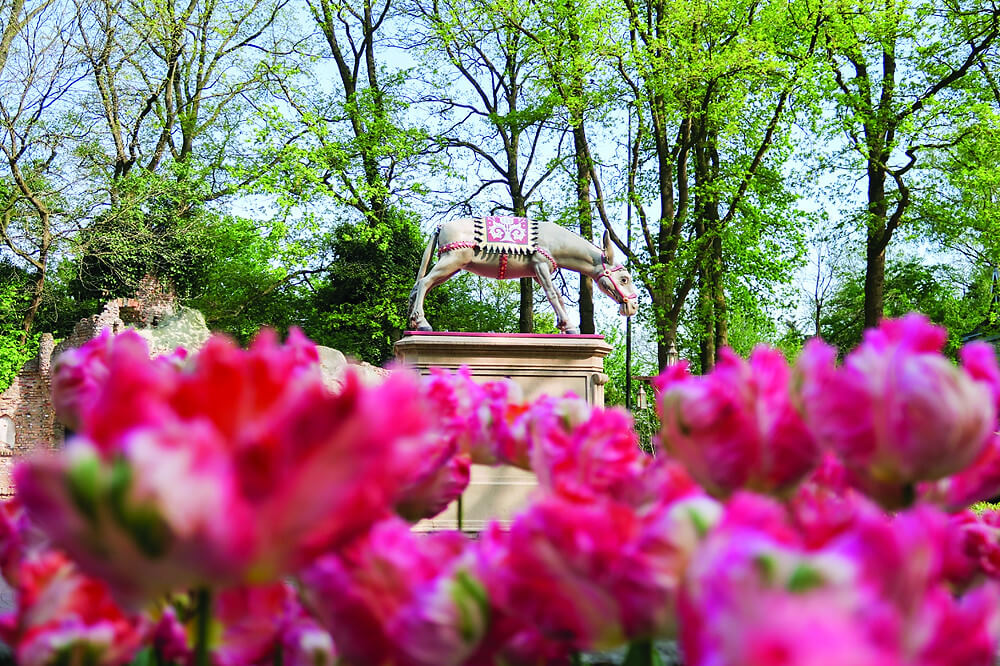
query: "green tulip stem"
203, 621
642, 653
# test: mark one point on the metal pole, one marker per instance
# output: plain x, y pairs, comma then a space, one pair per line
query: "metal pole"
628, 244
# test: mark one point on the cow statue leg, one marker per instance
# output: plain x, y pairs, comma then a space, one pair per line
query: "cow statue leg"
450, 263
543, 274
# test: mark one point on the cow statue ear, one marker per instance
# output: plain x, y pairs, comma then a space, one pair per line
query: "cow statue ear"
609, 248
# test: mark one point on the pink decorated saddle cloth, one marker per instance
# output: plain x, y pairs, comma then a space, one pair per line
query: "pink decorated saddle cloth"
503, 234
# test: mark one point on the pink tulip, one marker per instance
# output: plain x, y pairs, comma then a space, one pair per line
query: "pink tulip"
827, 504
397, 597
78, 376
753, 601
169, 638
259, 622
553, 567
158, 509
584, 453
63, 616
980, 360
978, 482
109, 386
879, 592
912, 563
593, 574
735, 427
239, 466
979, 540
254, 625
897, 412
435, 483
512, 640
305, 643
17, 538
918, 563
477, 418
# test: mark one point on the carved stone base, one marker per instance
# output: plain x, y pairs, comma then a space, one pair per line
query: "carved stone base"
541, 365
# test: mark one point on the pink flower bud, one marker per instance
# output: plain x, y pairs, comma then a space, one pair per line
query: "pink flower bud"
735, 427
393, 596
236, 467
897, 412
63, 616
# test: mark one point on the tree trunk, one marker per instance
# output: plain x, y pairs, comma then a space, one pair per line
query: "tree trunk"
526, 322
36, 302
874, 283
720, 312
667, 330
875, 245
706, 317
586, 223
526, 311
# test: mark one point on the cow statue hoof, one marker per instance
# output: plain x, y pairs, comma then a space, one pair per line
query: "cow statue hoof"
572, 331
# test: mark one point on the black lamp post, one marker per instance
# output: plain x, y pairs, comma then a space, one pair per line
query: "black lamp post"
628, 258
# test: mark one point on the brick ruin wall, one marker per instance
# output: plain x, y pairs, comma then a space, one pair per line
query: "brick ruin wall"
27, 418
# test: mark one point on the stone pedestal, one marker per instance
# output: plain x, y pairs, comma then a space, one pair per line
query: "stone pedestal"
541, 365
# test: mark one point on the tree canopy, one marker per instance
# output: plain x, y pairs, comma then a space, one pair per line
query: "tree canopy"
282, 162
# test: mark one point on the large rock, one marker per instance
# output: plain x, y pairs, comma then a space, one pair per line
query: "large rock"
333, 364
183, 328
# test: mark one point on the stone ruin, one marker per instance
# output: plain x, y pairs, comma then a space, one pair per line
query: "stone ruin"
27, 417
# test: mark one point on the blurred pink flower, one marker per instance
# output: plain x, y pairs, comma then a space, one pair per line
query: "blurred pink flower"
880, 592
593, 574
478, 419
511, 639
237, 467
434, 483
261, 621
252, 626
827, 504
912, 561
897, 412
63, 616
78, 376
552, 568
169, 638
978, 482
393, 596
753, 601
736, 427
584, 453
16, 539
980, 360
109, 386
979, 540
162, 517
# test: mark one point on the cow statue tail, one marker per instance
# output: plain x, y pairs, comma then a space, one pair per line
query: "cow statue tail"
425, 263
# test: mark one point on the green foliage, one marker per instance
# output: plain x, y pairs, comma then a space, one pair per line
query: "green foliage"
960, 206
160, 226
469, 302
359, 306
14, 300
980, 507
248, 280
910, 285
646, 422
